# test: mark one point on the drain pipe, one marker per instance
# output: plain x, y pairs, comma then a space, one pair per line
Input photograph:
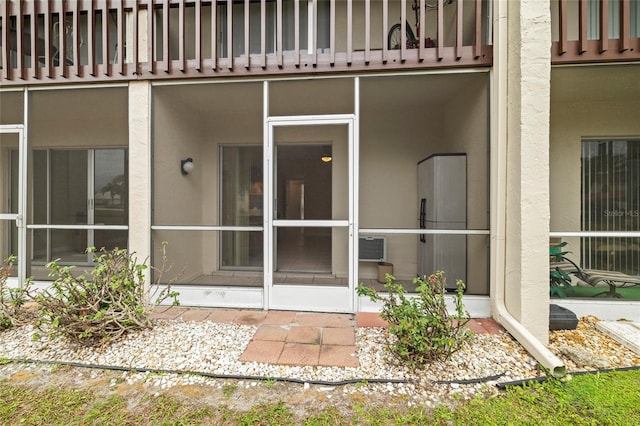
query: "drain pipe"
499, 158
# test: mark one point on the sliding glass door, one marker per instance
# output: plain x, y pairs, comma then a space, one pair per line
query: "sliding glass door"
75, 191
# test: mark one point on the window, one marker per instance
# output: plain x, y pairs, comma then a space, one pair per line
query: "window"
613, 19
241, 190
611, 202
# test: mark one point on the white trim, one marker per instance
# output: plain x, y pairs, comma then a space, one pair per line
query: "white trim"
608, 310
306, 297
477, 306
311, 120
107, 227
68, 87
311, 298
367, 74
310, 223
19, 217
219, 297
595, 234
425, 231
267, 200
354, 233
205, 228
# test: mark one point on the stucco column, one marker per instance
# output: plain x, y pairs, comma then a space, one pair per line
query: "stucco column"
527, 168
140, 171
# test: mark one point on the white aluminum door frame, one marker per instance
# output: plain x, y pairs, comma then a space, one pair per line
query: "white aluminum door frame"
307, 297
19, 217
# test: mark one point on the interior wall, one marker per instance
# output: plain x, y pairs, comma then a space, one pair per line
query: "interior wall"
176, 135
11, 107
570, 123
67, 118
392, 141
466, 130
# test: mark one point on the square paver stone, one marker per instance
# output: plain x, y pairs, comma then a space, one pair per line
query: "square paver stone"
310, 335
338, 356
170, 314
223, 315
370, 319
299, 354
271, 332
338, 320
250, 317
279, 317
343, 336
196, 315
309, 319
264, 351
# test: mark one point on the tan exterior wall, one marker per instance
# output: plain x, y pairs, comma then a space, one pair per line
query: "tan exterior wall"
586, 117
527, 212
140, 171
87, 118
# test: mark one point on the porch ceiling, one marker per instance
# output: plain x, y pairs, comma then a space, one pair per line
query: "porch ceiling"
595, 83
409, 93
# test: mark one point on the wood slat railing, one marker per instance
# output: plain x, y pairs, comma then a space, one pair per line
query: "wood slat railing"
590, 33
48, 42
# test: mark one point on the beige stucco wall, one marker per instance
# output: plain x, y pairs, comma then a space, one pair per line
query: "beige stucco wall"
586, 103
139, 121
466, 130
527, 198
404, 120
11, 107
87, 118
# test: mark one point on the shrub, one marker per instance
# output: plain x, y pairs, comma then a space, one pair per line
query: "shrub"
102, 307
424, 329
12, 300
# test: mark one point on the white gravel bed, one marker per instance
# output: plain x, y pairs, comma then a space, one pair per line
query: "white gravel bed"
215, 348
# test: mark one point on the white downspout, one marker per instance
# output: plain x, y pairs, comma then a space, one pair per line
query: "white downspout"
499, 158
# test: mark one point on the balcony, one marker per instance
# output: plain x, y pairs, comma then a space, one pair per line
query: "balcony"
592, 31
45, 42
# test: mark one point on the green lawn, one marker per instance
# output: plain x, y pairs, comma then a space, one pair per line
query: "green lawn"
594, 399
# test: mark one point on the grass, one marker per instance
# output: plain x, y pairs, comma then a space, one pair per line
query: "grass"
630, 293
596, 399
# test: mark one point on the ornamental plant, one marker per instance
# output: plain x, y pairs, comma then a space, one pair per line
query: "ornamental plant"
104, 305
423, 328
12, 300
559, 280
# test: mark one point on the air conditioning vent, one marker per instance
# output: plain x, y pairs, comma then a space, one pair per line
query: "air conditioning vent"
372, 249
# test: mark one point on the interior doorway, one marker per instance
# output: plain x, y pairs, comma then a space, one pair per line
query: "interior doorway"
303, 191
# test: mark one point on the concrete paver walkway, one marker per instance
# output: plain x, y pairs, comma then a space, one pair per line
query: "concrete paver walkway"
299, 338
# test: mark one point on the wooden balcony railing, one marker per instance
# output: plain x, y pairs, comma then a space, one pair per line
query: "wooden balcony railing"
46, 42
603, 31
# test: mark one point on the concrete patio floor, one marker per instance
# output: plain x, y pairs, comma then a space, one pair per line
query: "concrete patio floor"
299, 338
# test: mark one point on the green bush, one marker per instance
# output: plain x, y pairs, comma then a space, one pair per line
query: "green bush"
12, 300
424, 329
101, 307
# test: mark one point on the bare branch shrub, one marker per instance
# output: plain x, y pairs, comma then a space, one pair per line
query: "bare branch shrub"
112, 300
12, 300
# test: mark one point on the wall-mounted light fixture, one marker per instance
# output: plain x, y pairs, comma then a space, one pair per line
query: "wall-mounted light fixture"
186, 166
326, 154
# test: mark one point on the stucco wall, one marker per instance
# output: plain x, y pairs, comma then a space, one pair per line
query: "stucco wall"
527, 198
571, 121
466, 130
